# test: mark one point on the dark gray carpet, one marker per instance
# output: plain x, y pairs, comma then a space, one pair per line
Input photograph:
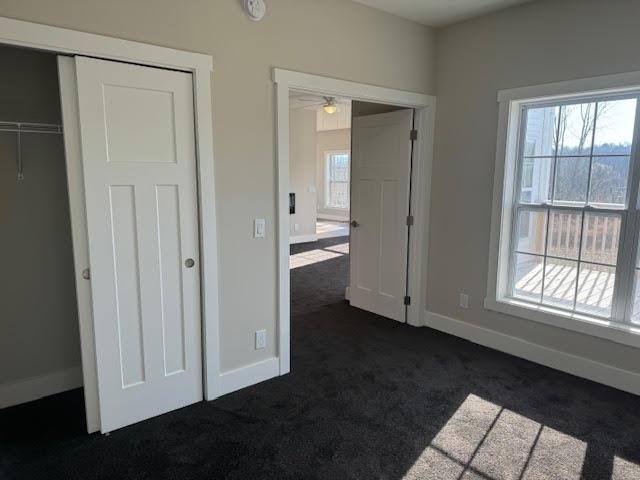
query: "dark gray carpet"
367, 398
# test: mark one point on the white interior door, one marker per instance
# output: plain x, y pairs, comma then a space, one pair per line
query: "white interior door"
381, 169
138, 151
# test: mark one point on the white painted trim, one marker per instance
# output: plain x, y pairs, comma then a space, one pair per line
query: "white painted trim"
346, 292
61, 40
353, 90
615, 332
249, 375
511, 102
286, 80
78, 214
312, 237
424, 123
579, 366
335, 218
33, 388
600, 84
282, 234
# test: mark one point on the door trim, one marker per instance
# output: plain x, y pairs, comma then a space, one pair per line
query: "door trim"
425, 107
64, 41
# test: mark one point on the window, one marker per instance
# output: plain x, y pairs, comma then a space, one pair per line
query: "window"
568, 238
337, 180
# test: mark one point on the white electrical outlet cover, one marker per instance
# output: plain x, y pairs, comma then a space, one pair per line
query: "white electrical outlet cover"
464, 300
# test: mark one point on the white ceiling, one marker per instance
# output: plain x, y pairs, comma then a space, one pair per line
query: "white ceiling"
437, 13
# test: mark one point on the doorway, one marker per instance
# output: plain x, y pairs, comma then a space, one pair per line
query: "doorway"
349, 172
424, 107
146, 349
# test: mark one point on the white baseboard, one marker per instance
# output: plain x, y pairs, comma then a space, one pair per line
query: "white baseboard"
334, 218
33, 388
549, 357
249, 375
346, 292
312, 237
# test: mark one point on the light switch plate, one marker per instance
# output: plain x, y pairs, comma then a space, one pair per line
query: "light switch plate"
259, 227
261, 339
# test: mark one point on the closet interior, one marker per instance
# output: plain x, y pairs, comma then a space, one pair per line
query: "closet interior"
39, 337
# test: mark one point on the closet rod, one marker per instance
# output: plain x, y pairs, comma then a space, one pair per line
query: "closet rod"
27, 127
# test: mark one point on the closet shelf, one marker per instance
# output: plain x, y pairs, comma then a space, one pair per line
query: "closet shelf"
26, 127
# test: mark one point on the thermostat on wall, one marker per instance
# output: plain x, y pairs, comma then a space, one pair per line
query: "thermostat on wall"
255, 9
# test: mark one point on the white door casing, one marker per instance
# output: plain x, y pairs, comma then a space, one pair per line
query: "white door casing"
381, 169
138, 149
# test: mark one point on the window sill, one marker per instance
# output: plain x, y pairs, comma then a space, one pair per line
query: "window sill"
331, 207
596, 327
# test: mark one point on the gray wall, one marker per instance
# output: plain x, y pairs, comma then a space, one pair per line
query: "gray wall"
540, 42
336, 38
302, 170
38, 316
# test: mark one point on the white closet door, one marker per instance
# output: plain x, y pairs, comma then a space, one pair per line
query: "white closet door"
381, 165
138, 149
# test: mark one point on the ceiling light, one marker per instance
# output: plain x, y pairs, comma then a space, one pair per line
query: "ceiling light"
330, 105
330, 109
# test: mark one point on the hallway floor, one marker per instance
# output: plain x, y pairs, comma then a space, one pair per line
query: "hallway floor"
367, 398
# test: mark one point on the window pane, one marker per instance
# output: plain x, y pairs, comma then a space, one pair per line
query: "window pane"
595, 289
559, 287
572, 178
609, 181
536, 180
339, 194
564, 234
528, 277
614, 127
340, 168
540, 131
574, 156
532, 227
600, 238
575, 131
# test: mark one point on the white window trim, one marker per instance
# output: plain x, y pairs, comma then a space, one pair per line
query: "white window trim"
510, 103
327, 179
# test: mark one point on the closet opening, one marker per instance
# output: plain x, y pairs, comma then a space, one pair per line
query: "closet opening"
40, 352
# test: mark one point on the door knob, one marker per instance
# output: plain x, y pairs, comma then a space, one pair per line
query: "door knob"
354, 224
189, 263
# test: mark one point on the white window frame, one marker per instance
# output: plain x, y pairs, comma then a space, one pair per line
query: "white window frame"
327, 177
511, 104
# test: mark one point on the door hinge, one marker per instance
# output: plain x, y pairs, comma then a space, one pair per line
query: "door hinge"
410, 220
413, 135
407, 300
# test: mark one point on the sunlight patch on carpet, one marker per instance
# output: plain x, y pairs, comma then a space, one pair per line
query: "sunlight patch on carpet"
483, 440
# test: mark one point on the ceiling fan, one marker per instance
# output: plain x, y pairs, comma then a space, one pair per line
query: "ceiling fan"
328, 103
